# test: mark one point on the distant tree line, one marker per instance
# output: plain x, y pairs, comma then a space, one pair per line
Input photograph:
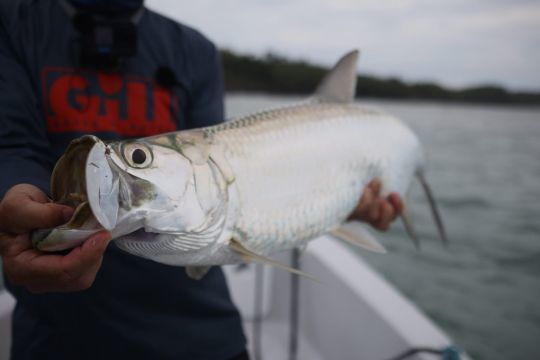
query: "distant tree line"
276, 74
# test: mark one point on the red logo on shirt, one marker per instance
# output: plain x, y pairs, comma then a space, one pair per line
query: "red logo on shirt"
88, 101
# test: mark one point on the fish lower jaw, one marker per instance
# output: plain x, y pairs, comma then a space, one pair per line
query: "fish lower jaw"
153, 249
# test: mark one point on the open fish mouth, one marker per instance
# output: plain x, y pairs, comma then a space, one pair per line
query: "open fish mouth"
84, 176
84, 179
102, 186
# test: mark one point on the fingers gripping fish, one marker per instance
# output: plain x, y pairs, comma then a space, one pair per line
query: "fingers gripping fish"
241, 190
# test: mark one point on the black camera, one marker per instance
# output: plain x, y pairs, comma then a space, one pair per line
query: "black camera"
106, 40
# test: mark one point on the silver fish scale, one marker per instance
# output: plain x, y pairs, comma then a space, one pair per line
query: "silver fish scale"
300, 170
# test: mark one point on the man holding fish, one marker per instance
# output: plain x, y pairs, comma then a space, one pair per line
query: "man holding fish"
63, 75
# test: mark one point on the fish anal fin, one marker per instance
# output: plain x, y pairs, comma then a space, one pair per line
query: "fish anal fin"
356, 234
197, 272
409, 228
248, 256
339, 84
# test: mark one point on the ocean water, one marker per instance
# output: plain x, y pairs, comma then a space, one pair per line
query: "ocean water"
484, 167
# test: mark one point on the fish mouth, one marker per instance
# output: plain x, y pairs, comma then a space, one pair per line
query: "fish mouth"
83, 177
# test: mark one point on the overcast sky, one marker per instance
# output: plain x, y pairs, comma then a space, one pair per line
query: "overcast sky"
454, 42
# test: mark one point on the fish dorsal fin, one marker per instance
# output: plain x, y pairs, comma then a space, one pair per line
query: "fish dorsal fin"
356, 234
248, 255
339, 84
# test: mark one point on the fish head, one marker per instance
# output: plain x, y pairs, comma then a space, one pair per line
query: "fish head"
139, 183
128, 185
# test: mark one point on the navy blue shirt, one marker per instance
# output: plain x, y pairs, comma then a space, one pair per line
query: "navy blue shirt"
136, 309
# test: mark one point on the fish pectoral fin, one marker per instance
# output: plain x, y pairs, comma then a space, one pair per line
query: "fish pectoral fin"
197, 272
248, 256
339, 84
355, 233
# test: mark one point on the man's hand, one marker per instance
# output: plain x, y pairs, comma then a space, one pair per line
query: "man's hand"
25, 208
376, 210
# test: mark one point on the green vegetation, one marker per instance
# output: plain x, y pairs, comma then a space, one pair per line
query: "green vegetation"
275, 74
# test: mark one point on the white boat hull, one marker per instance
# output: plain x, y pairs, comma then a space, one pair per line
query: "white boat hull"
354, 314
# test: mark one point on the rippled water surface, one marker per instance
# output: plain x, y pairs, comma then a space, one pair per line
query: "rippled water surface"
484, 166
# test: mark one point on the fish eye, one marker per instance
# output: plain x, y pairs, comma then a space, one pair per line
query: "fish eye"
137, 155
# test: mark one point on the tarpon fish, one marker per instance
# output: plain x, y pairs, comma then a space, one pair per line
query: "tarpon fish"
241, 190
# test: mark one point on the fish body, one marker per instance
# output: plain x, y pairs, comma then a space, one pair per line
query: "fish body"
282, 178
243, 189
299, 171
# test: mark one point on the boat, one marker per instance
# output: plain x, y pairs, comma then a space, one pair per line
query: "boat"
347, 312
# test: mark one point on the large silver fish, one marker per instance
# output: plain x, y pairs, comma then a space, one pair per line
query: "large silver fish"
241, 190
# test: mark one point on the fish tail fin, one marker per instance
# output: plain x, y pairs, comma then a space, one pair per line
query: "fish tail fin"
433, 207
